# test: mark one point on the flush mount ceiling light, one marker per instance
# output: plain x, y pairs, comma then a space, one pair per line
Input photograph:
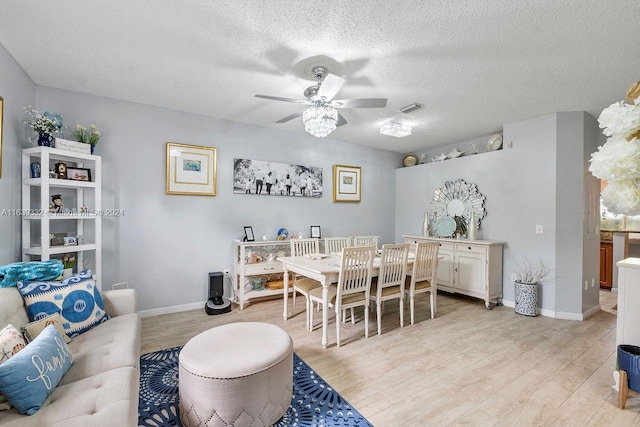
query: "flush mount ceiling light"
320, 119
395, 129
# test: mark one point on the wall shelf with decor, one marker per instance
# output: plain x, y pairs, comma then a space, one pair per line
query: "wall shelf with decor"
255, 267
81, 212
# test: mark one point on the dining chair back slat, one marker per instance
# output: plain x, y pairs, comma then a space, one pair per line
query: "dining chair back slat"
365, 241
300, 247
393, 271
336, 244
355, 270
424, 275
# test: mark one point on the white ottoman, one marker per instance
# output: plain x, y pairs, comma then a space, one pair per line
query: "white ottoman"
239, 374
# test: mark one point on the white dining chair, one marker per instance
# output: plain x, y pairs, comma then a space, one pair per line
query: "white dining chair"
336, 244
353, 288
301, 284
390, 281
365, 241
423, 275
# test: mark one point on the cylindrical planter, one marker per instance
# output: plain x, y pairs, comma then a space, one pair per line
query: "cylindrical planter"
527, 298
629, 361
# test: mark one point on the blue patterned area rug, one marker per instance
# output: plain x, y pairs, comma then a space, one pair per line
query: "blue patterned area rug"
314, 402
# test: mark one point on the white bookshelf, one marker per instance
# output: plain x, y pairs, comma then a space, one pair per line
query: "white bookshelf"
36, 198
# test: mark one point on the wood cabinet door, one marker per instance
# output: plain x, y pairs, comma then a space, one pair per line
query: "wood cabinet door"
606, 265
445, 267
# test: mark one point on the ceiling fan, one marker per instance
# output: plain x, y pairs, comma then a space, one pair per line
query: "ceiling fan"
321, 117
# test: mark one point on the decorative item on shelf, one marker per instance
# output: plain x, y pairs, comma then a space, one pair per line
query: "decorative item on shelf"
256, 283
439, 158
265, 237
283, 233
409, 160
618, 160
35, 169
56, 204
61, 170
527, 280
68, 262
44, 124
315, 232
71, 241
73, 146
79, 174
299, 234
445, 226
423, 158
57, 239
425, 224
454, 154
253, 257
473, 227
52, 173
495, 142
89, 136
457, 199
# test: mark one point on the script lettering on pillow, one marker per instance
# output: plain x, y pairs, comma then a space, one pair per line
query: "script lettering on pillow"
55, 363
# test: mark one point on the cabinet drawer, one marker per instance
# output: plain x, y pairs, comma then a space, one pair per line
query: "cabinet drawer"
446, 246
470, 247
263, 268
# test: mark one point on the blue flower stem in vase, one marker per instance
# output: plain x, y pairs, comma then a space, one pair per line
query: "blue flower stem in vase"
44, 139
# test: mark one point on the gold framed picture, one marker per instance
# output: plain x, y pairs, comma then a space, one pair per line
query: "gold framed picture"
347, 183
191, 169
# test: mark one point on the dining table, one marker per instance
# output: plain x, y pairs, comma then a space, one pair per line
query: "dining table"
325, 268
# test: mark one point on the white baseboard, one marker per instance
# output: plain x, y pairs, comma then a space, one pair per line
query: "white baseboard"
549, 313
172, 309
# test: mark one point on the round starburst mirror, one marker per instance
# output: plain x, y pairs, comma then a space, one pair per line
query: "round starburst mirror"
456, 200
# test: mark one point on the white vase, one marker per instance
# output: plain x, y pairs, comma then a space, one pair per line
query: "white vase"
67, 272
473, 227
425, 225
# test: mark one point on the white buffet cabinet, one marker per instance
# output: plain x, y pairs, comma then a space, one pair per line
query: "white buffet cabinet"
472, 268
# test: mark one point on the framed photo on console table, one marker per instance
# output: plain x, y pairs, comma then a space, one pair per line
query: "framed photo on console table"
347, 183
315, 232
191, 170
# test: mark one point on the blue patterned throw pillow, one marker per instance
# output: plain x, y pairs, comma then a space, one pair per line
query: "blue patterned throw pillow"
30, 375
33, 270
76, 298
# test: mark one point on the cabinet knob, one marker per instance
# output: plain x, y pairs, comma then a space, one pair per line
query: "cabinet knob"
469, 247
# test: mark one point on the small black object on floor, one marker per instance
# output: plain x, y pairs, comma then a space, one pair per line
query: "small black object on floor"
217, 304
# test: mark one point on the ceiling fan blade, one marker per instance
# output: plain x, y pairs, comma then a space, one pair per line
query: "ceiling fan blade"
278, 98
341, 120
289, 117
330, 86
360, 103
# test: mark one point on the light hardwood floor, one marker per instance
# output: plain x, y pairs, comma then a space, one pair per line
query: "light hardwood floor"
468, 366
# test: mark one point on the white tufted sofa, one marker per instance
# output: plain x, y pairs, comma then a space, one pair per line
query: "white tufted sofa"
101, 387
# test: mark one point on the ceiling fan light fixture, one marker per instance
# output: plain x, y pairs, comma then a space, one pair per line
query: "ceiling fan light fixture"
395, 129
320, 119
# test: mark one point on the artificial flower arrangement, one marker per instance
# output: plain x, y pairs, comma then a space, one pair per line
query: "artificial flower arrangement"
618, 160
68, 261
88, 136
43, 122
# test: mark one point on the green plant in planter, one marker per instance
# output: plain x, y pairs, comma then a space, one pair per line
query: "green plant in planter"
87, 136
529, 276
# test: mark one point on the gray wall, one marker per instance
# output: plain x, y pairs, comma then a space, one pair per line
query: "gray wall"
18, 91
519, 186
165, 245
540, 181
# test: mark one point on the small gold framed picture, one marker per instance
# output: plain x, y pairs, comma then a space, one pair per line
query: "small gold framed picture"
191, 170
347, 183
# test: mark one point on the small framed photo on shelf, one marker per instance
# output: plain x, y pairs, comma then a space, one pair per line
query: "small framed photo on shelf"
79, 174
57, 239
248, 234
315, 232
70, 241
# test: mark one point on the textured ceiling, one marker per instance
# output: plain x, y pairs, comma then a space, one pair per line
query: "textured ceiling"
474, 66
